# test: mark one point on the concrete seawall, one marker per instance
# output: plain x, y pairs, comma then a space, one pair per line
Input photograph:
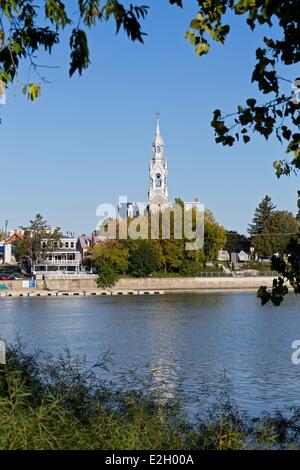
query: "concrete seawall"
167, 285
195, 284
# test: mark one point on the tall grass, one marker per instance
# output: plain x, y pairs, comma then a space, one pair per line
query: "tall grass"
48, 403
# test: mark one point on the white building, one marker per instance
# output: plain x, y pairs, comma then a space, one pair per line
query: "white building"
223, 255
63, 258
158, 195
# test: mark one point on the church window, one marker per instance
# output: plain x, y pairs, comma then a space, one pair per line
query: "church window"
158, 180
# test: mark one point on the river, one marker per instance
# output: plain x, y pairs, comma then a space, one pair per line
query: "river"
186, 341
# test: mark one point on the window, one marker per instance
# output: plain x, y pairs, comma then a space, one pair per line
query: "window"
67, 244
72, 244
158, 180
158, 149
52, 268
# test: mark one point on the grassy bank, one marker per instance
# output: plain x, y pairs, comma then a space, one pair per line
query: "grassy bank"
60, 404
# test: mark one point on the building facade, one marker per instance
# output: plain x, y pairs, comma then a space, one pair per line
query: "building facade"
158, 195
63, 258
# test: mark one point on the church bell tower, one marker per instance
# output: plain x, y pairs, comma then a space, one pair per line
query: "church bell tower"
158, 172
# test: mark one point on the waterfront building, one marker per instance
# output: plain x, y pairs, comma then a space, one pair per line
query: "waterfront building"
63, 258
86, 243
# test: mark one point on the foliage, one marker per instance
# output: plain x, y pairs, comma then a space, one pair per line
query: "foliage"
111, 261
236, 242
214, 236
289, 269
24, 32
113, 252
262, 213
39, 240
276, 233
280, 114
142, 258
61, 403
191, 268
107, 274
26, 28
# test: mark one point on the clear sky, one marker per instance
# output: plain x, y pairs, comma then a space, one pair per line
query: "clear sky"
87, 140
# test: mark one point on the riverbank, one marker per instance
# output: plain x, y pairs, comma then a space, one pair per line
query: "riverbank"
136, 286
36, 389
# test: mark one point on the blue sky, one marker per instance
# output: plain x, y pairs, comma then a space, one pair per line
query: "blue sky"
87, 140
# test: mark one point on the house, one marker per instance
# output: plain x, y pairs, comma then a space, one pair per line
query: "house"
15, 235
85, 243
7, 248
243, 257
240, 257
63, 258
223, 255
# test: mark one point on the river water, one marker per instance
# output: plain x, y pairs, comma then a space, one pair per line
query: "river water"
186, 342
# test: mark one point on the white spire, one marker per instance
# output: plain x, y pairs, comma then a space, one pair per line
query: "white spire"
158, 142
158, 171
157, 123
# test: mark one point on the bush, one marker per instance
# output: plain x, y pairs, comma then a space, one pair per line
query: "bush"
142, 258
107, 275
49, 403
191, 268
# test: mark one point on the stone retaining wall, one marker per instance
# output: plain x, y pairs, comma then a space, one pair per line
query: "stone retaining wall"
165, 284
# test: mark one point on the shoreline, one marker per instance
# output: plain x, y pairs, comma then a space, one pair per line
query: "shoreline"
113, 293
135, 286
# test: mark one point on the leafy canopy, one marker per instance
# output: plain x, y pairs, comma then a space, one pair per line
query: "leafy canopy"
28, 27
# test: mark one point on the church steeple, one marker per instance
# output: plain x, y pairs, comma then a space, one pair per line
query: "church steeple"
158, 142
158, 172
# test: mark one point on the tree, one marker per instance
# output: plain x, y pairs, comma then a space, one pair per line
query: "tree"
277, 231
27, 27
110, 258
214, 236
107, 274
24, 31
262, 214
173, 254
289, 273
236, 242
285, 239
298, 213
142, 258
39, 240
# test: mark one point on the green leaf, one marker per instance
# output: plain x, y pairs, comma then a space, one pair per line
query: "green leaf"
34, 91
202, 48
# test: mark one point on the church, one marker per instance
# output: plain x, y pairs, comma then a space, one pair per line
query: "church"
158, 194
